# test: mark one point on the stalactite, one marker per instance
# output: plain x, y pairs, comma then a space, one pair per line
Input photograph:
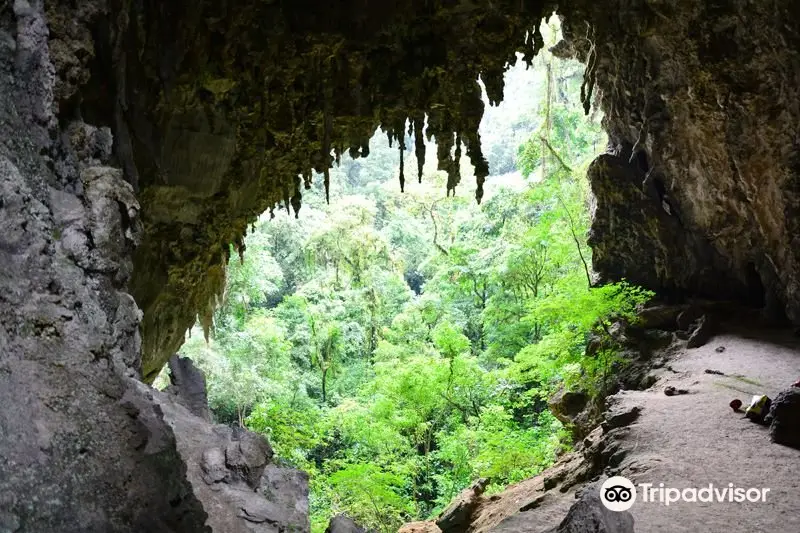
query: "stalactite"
299, 94
402, 169
587, 86
327, 183
206, 319
297, 198
454, 167
239, 246
419, 145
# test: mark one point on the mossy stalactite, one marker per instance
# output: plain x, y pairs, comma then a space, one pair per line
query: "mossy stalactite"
224, 105
418, 123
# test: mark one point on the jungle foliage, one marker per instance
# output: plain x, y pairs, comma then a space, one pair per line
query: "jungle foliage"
398, 346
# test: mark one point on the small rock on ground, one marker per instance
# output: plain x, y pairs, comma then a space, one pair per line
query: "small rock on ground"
785, 416
621, 417
701, 334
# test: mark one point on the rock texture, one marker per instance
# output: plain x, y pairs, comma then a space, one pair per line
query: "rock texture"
702, 109
84, 445
138, 139
589, 515
343, 524
784, 416
81, 446
188, 384
231, 473
456, 517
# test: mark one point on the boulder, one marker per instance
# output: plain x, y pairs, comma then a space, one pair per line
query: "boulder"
576, 409
589, 515
230, 472
702, 333
621, 417
688, 317
247, 455
568, 404
785, 418
344, 524
664, 317
288, 488
456, 517
188, 384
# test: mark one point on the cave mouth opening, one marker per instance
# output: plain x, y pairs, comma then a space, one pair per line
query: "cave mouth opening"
398, 344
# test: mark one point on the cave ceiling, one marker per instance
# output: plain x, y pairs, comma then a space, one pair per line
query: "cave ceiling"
222, 110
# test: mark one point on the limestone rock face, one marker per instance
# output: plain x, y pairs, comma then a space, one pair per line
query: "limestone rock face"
456, 517
82, 448
231, 473
288, 489
188, 384
575, 409
699, 195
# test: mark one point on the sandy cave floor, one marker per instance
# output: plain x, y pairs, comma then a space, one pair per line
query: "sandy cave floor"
696, 439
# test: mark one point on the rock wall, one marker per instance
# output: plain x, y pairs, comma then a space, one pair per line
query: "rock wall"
699, 196
232, 474
81, 449
84, 444
139, 139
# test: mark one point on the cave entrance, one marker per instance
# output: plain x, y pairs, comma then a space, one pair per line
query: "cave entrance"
399, 345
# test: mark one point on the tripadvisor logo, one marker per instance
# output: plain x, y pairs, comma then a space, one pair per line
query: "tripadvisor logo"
619, 494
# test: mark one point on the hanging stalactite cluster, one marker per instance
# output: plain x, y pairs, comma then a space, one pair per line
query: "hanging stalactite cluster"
287, 89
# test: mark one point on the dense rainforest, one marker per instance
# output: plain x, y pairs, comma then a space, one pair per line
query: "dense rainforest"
397, 346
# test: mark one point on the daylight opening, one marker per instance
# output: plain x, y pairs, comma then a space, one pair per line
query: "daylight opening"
399, 346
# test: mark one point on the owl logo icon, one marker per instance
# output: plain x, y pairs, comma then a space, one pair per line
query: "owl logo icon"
618, 493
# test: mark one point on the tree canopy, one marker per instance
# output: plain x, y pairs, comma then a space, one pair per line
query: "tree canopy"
397, 346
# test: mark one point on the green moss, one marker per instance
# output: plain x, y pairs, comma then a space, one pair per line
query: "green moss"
296, 87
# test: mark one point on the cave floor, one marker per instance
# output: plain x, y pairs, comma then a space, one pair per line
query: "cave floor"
695, 439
